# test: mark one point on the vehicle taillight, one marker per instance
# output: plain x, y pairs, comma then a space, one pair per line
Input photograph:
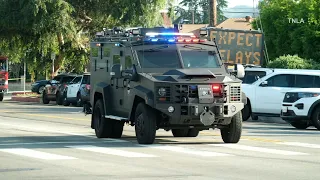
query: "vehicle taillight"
217, 89
88, 86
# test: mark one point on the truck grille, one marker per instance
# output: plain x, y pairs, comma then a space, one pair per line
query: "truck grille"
235, 94
182, 93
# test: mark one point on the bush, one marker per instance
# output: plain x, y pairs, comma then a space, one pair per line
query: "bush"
293, 62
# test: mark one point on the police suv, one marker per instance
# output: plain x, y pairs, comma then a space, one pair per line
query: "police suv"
158, 78
301, 108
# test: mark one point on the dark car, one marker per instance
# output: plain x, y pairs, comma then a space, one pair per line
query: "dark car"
38, 86
54, 89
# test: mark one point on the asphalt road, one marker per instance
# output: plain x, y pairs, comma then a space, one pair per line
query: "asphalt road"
56, 142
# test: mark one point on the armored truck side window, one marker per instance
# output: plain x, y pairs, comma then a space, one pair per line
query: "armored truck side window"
116, 59
128, 62
95, 52
106, 52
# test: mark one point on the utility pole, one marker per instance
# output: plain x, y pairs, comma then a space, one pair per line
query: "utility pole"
213, 13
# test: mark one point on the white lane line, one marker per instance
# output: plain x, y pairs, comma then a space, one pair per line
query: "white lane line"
316, 146
36, 154
111, 151
59, 142
43, 129
187, 151
258, 149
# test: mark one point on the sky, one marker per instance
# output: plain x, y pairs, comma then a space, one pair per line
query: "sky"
232, 3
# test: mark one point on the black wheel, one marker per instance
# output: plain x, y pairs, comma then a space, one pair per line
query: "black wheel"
145, 124
40, 89
232, 133
1, 96
246, 112
117, 129
300, 125
79, 100
65, 101
316, 118
59, 99
45, 99
102, 125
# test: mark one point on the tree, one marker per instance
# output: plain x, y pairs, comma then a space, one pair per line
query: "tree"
292, 62
200, 9
282, 35
37, 28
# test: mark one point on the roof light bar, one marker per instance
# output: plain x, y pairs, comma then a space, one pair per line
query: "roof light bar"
169, 34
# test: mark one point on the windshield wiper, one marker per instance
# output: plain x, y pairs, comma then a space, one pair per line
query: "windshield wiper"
193, 47
155, 49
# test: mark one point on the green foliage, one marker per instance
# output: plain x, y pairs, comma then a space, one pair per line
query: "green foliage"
283, 36
293, 62
36, 28
201, 11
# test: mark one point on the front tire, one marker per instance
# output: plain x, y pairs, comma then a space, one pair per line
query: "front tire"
102, 125
59, 99
145, 124
232, 133
79, 100
1, 97
65, 101
105, 127
246, 112
45, 99
300, 125
316, 118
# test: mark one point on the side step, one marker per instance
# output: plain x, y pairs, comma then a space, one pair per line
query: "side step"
116, 118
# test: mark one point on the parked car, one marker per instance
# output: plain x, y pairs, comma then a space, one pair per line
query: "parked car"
54, 89
254, 73
38, 86
265, 95
301, 107
85, 89
72, 93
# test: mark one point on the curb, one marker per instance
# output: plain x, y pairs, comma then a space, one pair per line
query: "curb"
25, 99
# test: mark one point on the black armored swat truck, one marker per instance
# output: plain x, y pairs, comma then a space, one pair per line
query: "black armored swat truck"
158, 78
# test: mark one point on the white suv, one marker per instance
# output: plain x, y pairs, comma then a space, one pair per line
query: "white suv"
301, 108
266, 94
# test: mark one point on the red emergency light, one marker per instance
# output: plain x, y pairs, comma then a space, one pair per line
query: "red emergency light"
173, 37
217, 89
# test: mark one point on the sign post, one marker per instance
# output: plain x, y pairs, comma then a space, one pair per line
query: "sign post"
53, 57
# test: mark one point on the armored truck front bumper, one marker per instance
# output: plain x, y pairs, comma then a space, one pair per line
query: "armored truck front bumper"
200, 114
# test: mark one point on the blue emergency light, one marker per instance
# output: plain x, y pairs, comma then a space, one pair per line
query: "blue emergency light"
172, 37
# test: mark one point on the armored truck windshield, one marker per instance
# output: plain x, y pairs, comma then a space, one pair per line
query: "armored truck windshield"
178, 56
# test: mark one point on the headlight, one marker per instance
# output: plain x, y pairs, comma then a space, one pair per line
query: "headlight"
162, 91
307, 94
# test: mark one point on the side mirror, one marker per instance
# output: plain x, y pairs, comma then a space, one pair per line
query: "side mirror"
239, 70
264, 83
131, 74
116, 71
